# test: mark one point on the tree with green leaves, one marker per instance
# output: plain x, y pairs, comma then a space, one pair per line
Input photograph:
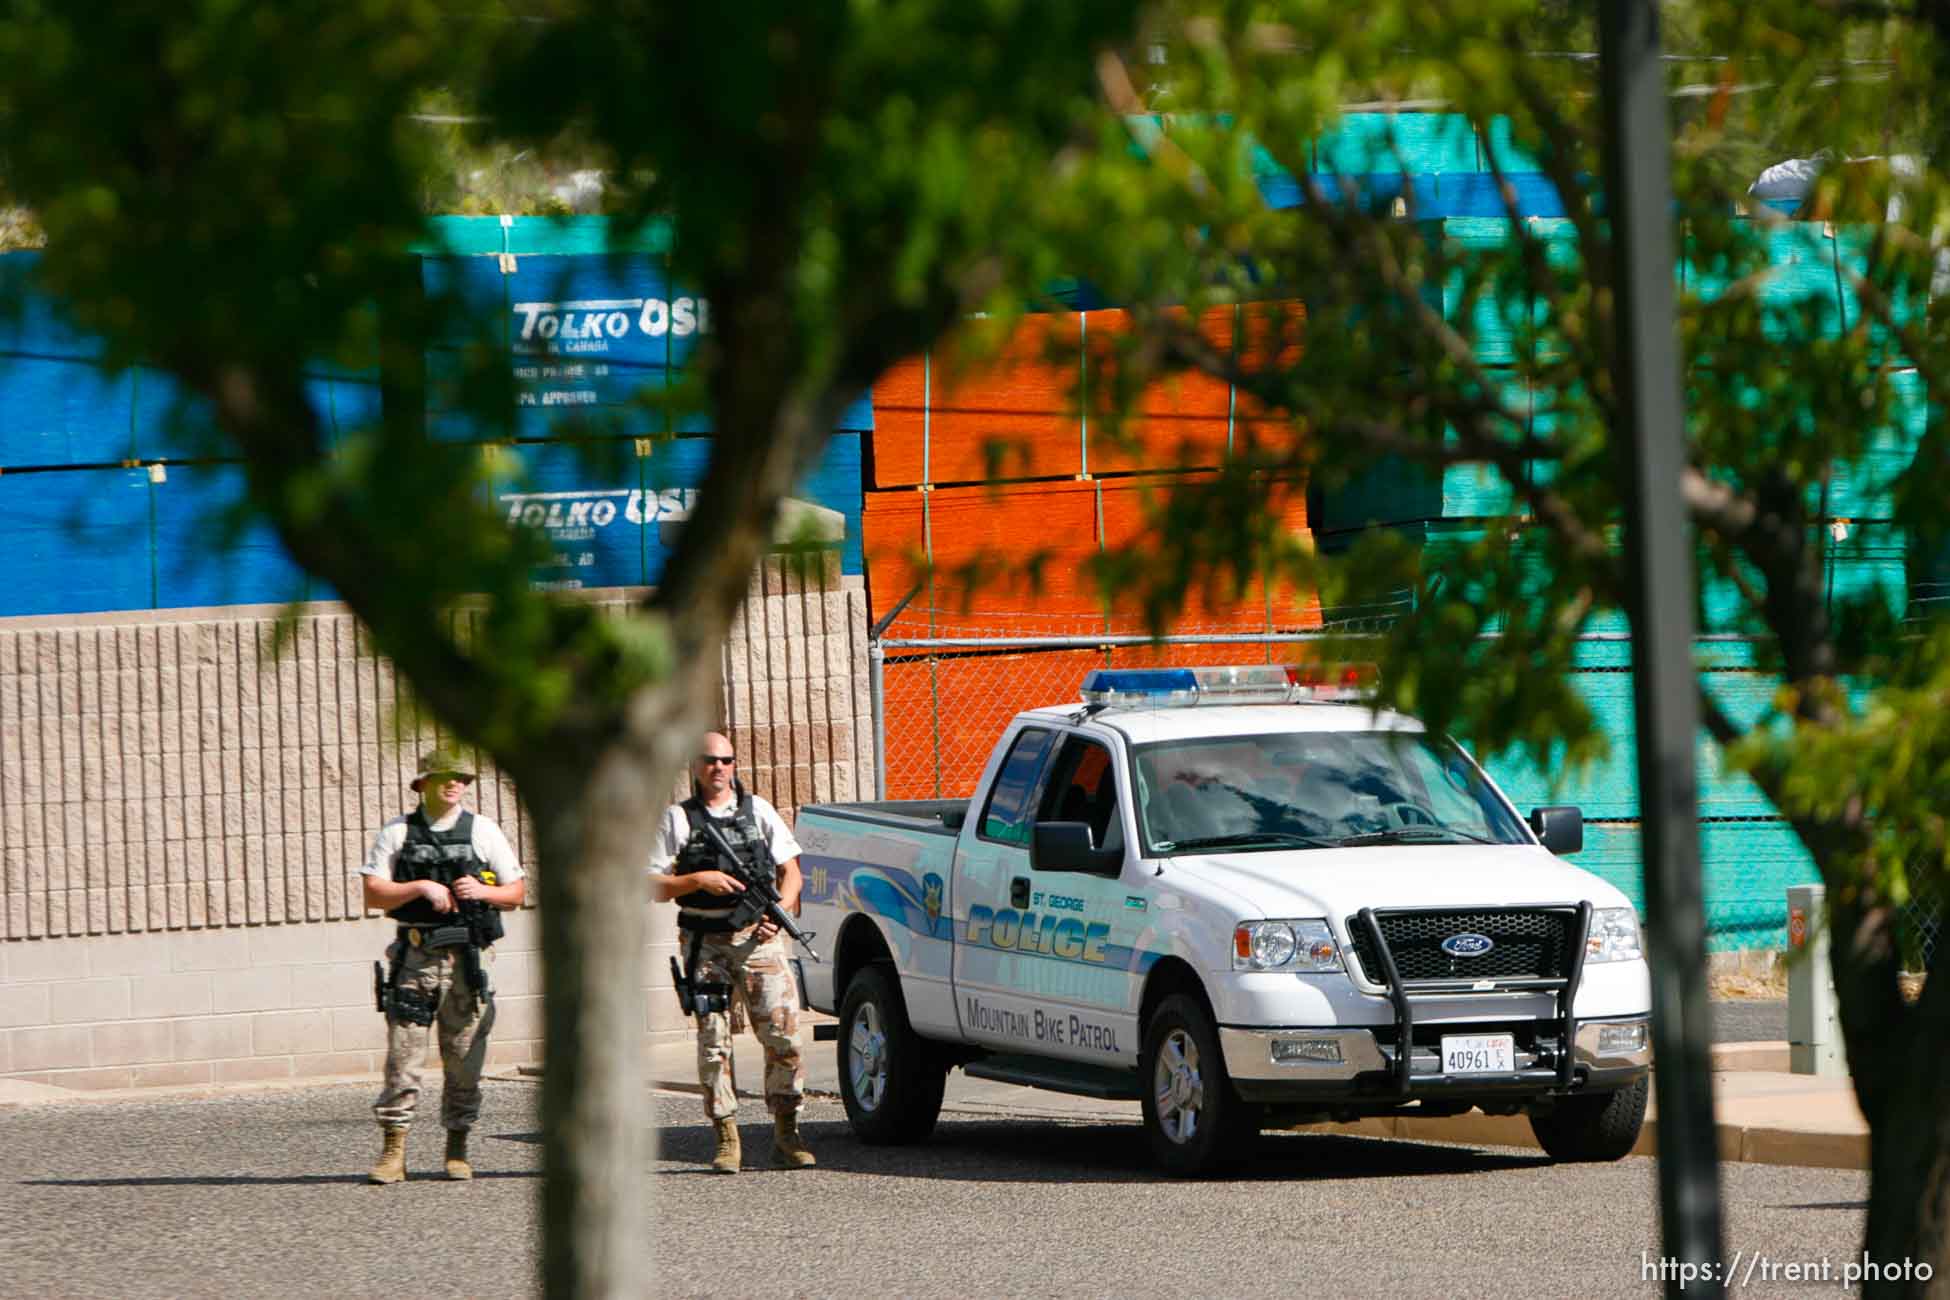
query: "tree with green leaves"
230, 193
1487, 352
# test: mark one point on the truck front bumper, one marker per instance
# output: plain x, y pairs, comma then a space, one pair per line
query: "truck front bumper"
1364, 1064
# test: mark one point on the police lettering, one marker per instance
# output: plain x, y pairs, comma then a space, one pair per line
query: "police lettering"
1014, 931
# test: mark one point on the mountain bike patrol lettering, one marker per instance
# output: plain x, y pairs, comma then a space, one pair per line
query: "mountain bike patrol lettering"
1057, 1029
997, 1020
1050, 936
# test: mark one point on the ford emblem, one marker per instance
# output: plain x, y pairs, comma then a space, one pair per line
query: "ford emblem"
1467, 945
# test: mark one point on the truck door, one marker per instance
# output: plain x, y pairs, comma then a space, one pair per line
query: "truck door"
1087, 927
1043, 960
994, 851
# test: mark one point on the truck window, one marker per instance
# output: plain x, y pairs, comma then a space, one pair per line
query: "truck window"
1008, 814
1312, 790
1083, 788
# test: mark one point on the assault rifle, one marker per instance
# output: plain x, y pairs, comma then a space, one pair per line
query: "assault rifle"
760, 899
476, 924
761, 896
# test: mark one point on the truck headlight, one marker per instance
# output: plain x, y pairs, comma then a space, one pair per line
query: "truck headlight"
1614, 935
1306, 945
1626, 1039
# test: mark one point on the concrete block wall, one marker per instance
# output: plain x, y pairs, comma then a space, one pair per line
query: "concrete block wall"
185, 798
196, 771
796, 692
228, 1005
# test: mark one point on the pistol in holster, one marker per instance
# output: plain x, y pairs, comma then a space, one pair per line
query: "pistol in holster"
400, 1006
696, 998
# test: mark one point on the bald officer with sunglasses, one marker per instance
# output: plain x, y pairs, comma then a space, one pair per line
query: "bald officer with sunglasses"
685, 868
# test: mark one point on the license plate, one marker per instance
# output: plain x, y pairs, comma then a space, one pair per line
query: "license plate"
1478, 1054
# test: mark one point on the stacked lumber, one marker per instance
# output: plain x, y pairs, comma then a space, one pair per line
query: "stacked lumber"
995, 487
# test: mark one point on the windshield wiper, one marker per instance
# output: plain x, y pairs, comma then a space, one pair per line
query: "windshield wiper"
1411, 834
1242, 839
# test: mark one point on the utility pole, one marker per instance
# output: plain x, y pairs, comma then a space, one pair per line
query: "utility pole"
1638, 204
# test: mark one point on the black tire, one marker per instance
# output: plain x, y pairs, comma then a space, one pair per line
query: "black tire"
894, 1096
1196, 1123
1592, 1128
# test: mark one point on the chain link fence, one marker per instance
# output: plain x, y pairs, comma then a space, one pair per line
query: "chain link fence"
1919, 930
939, 701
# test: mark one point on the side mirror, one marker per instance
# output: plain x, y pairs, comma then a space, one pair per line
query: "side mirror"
1066, 846
1561, 828
955, 818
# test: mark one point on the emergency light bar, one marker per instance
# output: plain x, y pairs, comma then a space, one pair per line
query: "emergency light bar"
1175, 688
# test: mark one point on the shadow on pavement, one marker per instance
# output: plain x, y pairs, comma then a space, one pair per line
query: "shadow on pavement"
1068, 1153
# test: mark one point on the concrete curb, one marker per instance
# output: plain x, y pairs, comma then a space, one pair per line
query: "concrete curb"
1770, 1056
19, 1092
1753, 1144
1842, 1141
16, 1094
1739, 1143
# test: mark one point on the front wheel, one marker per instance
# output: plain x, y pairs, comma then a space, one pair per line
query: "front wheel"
889, 1079
1593, 1128
1195, 1122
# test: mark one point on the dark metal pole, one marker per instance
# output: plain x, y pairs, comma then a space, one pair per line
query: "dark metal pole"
1638, 202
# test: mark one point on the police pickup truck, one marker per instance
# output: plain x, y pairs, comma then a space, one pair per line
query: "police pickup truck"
1242, 897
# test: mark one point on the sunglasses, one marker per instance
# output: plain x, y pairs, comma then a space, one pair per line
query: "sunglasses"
710, 760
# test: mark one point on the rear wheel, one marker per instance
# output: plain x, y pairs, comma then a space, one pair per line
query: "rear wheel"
1195, 1122
1592, 1128
890, 1080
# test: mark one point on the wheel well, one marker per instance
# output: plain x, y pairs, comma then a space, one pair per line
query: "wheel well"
1171, 975
860, 945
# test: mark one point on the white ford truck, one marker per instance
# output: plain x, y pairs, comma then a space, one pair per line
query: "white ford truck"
1244, 898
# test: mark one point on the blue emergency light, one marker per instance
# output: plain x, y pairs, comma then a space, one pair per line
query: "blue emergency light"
1170, 688
1140, 688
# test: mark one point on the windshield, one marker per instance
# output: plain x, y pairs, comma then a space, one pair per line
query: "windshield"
1319, 789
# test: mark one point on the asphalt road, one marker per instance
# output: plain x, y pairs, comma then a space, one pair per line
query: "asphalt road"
263, 1194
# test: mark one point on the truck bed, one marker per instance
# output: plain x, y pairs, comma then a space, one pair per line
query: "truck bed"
928, 816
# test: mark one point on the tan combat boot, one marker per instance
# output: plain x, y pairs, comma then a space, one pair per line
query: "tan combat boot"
457, 1167
788, 1148
391, 1167
730, 1155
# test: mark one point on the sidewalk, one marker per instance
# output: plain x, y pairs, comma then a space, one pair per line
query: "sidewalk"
1765, 1114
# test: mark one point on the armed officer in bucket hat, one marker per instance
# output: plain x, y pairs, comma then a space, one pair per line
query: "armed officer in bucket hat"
731, 954
445, 874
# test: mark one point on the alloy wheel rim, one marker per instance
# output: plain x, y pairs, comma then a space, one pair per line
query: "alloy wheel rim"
1178, 1087
867, 1058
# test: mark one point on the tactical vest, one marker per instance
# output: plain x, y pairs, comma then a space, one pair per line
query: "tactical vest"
741, 829
444, 856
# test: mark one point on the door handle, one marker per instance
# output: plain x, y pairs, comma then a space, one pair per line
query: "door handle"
1019, 892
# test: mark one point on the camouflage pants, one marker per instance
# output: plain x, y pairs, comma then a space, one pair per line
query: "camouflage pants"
463, 1021
761, 973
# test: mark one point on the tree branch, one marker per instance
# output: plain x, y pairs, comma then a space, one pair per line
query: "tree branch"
1584, 352
275, 425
